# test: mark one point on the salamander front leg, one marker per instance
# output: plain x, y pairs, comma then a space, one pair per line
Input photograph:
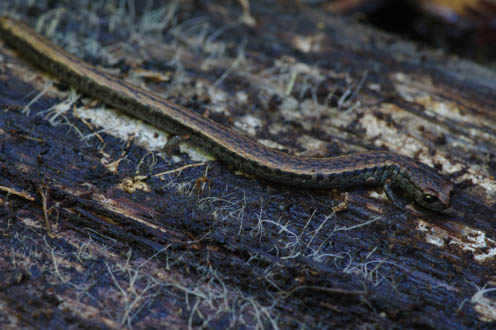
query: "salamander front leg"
393, 196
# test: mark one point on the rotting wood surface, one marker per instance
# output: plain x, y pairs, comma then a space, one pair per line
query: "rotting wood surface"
103, 228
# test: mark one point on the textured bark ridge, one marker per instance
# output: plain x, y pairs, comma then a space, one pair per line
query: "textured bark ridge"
103, 228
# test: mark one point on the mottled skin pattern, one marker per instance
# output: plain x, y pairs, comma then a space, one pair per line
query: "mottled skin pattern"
420, 182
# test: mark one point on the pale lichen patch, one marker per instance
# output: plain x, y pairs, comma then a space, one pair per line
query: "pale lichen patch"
249, 124
314, 147
218, 99
242, 97
122, 126
418, 90
473, 174
278, 128
131, 185
484, 306
290, 109
308, 43
410, 144
195, 153
387, 135
411, 93
271, 144
473, 240
31, 223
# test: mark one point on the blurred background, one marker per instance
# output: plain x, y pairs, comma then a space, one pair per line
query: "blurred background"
463, 27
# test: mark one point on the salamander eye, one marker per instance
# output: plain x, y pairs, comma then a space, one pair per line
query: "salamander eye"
428, 198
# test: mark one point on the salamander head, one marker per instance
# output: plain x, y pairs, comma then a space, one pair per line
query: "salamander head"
432, 190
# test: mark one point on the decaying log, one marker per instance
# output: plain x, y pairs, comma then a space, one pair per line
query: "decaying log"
103, 227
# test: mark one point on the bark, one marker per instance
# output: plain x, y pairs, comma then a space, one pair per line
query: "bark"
94, 234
